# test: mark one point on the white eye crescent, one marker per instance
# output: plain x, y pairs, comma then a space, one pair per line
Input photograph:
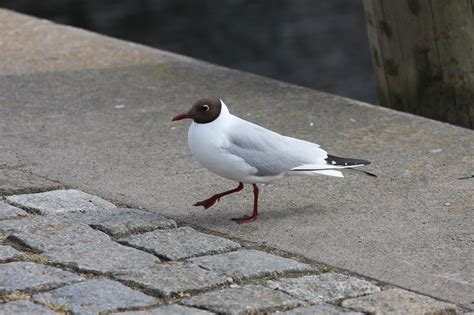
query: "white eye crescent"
205, 108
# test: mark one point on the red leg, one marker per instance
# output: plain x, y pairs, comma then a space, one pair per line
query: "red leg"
210, 201
254, 215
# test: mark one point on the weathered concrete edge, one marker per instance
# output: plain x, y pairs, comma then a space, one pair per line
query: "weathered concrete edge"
188, 59
81, 31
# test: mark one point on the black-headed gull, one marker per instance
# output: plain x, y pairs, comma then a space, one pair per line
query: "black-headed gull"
245, 152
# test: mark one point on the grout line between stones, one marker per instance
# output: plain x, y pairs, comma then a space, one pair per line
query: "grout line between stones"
132, 308
19, 217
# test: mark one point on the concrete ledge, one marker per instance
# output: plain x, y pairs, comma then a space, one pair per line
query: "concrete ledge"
93, 112
32, 45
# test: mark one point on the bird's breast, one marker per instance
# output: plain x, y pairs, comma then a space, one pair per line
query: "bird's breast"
208, 147
205, 144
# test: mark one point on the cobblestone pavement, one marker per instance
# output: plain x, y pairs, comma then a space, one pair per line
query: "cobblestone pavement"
65, 251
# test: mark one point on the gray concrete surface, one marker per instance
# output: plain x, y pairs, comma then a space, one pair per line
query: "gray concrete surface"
13, 181
94, 113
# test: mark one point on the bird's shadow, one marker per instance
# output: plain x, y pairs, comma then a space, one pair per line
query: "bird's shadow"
214, 217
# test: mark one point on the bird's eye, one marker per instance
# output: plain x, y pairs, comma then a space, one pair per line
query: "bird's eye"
205, 108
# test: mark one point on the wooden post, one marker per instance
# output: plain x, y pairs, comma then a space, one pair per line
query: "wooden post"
423, 56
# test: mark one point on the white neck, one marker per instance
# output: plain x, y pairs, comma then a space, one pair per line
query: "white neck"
224, 109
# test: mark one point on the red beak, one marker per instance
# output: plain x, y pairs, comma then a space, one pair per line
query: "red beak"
181, 116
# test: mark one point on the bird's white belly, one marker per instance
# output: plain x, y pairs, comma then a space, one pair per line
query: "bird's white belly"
207, 146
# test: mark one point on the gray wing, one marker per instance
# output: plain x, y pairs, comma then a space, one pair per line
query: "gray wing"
271, 153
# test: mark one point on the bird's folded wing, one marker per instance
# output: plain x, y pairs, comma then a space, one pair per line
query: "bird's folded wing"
271, 153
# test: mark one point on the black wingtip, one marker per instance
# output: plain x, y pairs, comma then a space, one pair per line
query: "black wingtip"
362, 171
369, 173
336, 160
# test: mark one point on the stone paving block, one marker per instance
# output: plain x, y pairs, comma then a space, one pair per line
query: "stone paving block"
174, 278
116, 222
398, 301
103, 257
174, 309
246, 264
7, 211
48, 237
14, 181
248, 299
95, 296
24, 308
31, 222
180, 243
124, 221
8, 252
320, 309
324, 287
59, 201
28, 276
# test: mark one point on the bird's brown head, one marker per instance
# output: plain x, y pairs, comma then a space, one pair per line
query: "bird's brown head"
203, 111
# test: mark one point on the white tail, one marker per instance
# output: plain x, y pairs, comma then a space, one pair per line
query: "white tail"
329, 173
314, 173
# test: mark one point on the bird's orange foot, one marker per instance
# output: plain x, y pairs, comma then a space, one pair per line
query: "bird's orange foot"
246, 219
207, 203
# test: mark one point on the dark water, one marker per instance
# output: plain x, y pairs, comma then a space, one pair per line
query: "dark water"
318, 44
